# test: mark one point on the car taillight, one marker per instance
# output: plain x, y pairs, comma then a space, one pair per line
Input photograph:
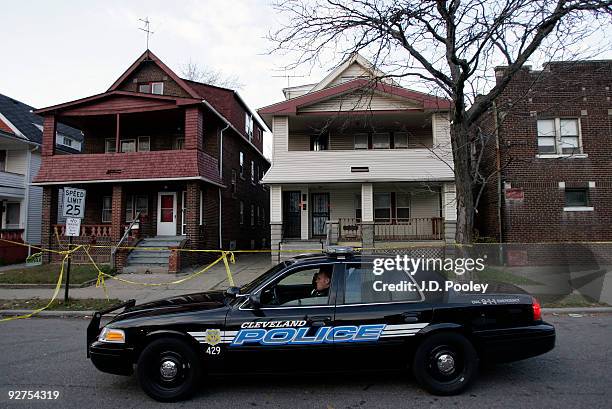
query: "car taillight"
537, 309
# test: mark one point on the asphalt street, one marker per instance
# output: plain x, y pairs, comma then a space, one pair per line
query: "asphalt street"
49, 354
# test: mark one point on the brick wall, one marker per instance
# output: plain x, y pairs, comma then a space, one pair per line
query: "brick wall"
563, 90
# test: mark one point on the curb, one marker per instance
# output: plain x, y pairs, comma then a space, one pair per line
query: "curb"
84, 314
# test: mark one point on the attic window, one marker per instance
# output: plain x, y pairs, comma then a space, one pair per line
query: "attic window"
151, 88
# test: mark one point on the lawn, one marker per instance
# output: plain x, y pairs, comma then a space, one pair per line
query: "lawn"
571, 300
48, 274
86, 304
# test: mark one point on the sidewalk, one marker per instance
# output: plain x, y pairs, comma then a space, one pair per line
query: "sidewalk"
246, 268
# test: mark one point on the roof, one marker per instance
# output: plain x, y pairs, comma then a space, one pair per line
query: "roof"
22, 117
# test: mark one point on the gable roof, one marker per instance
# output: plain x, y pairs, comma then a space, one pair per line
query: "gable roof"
26, 123
356, 58
424, 101
149, 56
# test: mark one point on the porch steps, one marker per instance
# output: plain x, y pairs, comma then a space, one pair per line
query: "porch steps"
151, 261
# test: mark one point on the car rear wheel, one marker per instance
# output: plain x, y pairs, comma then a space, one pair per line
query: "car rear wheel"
445, 363
168, 370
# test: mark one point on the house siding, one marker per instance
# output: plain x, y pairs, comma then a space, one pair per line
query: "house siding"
359, 101
34, 203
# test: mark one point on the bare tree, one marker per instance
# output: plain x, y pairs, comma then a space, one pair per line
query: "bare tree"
201, 73
451, 46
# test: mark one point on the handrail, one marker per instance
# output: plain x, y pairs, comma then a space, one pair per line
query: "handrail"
125, 235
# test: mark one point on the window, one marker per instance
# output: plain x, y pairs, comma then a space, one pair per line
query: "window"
179, 143
157, 88
241, 212
233, 180
358, 207
242, 165
252, 215
319, 142
258, 217
107, 209
361, 141
400, 140
253, 172
151, 88
402, 207
2, 161
128, 145
109, 146
296, 288
559, 136
576, 197
382, 207
144, 143
13, 213
248, 125
66, 141
380, 141
360, 287
135, 204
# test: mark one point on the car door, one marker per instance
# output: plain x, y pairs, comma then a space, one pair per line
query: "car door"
281, 333
392, 318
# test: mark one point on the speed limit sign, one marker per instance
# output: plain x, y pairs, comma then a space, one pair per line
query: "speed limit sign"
74, 203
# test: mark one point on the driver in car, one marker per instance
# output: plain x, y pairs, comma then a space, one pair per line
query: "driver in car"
321, 281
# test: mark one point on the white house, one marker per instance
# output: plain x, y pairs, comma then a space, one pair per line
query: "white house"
358, 159
20, 142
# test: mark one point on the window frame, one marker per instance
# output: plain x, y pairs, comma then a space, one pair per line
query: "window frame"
132, 140
374, 135
138, 142
397, 207
558, 137
109, 209
113, 144
379, 220
358, 207
587, 202
252, 215
241, 165
253, 172
234, 180
395, 134
359, 135
3, 157
8, 225
152, 87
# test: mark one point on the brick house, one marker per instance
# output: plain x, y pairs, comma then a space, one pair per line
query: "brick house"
553, 140
187, 156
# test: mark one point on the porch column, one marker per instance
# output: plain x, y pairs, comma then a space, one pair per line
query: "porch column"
117, 133
49, 218
117, 214
367, 215
194, 128
304, 220
49, 131
276, 220
449, 211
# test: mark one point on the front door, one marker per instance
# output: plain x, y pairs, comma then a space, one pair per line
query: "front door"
320, 213
291, 215
166, 214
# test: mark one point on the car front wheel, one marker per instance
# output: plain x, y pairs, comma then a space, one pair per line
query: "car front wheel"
445, 363
168, 370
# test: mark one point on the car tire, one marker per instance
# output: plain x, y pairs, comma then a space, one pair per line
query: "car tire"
168, 370
445, 363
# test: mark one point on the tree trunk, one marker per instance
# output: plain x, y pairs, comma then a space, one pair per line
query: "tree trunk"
463, 182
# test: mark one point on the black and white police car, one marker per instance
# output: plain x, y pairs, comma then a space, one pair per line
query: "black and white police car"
281, 322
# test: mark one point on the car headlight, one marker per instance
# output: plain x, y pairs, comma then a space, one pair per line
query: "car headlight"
116, 336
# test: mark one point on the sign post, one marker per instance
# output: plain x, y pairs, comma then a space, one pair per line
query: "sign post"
73, 210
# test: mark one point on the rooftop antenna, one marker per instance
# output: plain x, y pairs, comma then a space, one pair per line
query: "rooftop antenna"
287, 76
146, 28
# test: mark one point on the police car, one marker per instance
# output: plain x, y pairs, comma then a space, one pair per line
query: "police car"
321, 312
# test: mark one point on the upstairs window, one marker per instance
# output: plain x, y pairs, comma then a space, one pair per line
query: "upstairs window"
319, 142
144, 143
248, 125
400, 140
559, 136
361, 141
381, 141
128, 145
109, 146
66, 141
156, 87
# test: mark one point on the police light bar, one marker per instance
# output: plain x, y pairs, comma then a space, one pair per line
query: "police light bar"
339, 251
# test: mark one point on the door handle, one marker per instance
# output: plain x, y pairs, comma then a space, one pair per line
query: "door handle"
319, 321
411, 316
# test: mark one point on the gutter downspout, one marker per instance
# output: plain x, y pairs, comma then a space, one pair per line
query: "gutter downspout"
227, 125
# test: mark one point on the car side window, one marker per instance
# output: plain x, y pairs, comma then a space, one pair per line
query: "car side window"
362, 286
301, 287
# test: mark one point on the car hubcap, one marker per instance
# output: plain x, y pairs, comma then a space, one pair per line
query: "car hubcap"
446, 363
168, 370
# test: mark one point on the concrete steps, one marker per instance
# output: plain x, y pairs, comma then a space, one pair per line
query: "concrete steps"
142, 260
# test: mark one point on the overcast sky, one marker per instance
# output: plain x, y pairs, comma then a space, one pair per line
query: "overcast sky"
57, 51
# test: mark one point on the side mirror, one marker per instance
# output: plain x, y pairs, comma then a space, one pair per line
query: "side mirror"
232, 292
255, 300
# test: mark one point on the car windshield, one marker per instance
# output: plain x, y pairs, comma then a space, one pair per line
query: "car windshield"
247, 288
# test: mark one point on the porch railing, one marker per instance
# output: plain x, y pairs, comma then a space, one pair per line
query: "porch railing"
12, 234
423, 228
88, 230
